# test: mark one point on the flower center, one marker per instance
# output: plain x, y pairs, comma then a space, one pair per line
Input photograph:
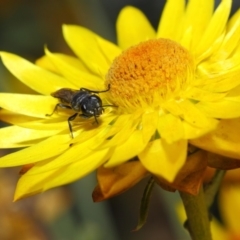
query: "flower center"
149, 73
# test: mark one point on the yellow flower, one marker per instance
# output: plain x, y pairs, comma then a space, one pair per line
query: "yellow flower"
168, 87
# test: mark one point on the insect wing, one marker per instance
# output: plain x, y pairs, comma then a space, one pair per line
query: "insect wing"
65, 95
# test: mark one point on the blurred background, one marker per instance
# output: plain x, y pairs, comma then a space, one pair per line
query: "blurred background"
68, 213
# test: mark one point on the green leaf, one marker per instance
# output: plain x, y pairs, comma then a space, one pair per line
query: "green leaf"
145, 204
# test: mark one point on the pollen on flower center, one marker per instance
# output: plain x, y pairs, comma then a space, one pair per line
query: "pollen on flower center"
157, 68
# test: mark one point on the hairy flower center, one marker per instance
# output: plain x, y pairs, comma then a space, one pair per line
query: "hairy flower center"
149, 72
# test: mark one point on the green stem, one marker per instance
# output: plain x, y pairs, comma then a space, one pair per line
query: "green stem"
197, 215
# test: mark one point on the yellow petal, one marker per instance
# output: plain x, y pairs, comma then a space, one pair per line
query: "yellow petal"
89, 130
118, 134
109, 133
46, 149
85, 45
221, 109
110, 50
74, 74
46, 63
120, 137
224, 140
189, 112
198, 15
33, 184
230, 208
170, 23
170, 128
149, 125
133, 27
191, 131
37, 78
48, 125
30, 184
220, 82
186, 39
234, 94
222, 66
24, 121
163, 159
15, 118
202, 95
215, 27
15, 136
127, 150
26, 104
77, 152
231, 39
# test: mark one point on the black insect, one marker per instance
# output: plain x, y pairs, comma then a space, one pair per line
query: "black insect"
83, 100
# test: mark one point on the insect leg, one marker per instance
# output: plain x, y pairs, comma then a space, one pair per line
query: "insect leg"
85, 116
92, 91
95, 116
59, 105
71, 118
